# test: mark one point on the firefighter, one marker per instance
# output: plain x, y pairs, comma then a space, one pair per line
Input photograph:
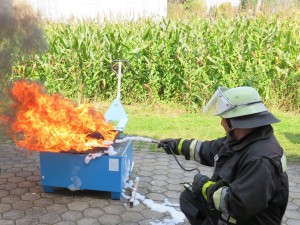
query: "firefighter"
249, 185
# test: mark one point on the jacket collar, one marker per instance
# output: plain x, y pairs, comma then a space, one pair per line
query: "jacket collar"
259, 133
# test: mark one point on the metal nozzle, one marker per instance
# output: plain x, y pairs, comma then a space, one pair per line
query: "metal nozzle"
155, 141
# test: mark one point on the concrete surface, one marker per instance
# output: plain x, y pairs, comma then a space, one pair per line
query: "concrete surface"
23, 200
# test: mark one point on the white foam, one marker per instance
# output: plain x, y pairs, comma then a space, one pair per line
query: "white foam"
110, 151
165, 207
135, 138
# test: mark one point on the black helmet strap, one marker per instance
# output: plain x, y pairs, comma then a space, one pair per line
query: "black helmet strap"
230, 133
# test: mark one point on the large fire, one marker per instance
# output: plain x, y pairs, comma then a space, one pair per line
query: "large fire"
45, 122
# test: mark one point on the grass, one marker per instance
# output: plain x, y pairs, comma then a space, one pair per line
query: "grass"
161, 121
171, 121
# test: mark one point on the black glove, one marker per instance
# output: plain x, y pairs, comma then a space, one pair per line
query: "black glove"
199, 181
204, 187
169, 144
211, 189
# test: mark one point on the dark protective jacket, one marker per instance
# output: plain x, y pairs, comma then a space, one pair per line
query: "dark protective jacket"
252, 167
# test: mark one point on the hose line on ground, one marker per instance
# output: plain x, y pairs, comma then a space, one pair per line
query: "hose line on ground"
187, 170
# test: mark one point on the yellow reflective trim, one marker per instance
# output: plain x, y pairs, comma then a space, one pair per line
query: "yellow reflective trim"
180, 146
205, 186
232, 220
283, 163
192, 149
217, 198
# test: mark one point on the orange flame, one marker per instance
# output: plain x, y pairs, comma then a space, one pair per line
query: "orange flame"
53, 123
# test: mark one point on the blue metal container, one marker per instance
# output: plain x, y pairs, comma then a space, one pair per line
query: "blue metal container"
69, 170
107, 173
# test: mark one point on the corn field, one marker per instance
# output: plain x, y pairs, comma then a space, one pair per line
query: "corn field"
182, 61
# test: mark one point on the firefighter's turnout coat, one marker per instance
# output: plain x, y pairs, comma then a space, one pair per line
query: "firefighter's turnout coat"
254, 169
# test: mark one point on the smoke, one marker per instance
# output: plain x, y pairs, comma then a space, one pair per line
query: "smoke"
21, 34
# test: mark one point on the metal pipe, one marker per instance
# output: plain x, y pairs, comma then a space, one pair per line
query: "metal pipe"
134, 191
119, 80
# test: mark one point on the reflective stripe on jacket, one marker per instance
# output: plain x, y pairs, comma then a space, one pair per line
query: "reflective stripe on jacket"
258, 186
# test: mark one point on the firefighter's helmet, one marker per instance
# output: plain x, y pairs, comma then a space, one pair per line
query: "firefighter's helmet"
242, 105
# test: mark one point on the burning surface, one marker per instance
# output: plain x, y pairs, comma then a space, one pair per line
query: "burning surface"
43, 122
38, 121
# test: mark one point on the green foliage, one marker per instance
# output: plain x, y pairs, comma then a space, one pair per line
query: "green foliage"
192, 4
165, 121
171, 60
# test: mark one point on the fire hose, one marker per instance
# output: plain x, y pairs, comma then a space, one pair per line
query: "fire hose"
174, 155
156, 142
187, 170
188, 188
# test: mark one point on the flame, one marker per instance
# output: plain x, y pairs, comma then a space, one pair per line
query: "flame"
52, 123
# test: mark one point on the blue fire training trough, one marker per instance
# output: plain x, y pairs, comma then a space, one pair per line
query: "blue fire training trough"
106, 173
68, 170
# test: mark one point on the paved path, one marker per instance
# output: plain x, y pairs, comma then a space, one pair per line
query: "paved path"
23, 201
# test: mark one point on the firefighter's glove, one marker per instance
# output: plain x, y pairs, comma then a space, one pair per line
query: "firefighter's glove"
204, 187
214, 193
179, 147
169, 145
198, 184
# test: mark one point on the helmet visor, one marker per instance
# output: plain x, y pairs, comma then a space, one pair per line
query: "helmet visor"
218, 103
